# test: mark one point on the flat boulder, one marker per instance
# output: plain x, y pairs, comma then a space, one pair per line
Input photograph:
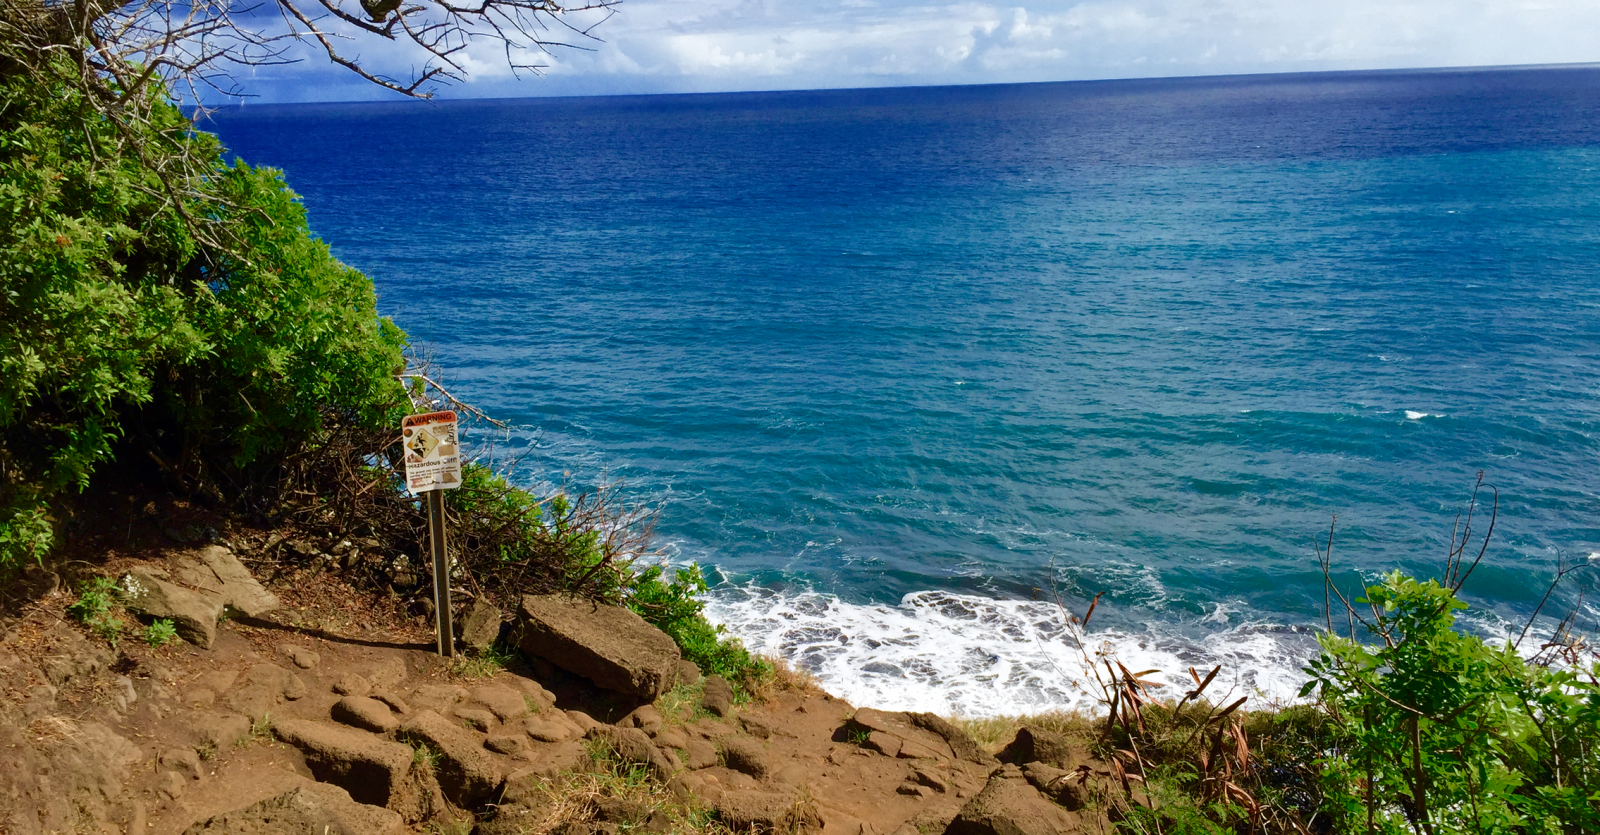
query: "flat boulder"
365, 713
215, 570
306, 808
193, 613
1010, 805
370, 768
609, 645
467, 774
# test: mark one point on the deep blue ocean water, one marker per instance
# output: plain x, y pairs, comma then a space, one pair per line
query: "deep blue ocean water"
893, 360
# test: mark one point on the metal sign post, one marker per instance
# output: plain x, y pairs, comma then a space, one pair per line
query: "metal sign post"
433, 465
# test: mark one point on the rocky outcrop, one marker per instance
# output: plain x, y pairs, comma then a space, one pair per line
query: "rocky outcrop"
1010, 805
1033, 744
306, 808
371, 769
195, 591
467, 774
634, 746
716, 696
609, 645
480, 628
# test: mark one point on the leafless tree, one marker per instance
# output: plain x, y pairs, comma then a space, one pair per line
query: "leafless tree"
123, 47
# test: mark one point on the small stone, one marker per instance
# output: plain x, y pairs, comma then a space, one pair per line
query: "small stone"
670, 737
481, 626
911, 749
584, 721
351, 684
700, 754
394, 702
478, 720
303, 658
717, 696
505, 703
645, 718
885, 744
183, 761
555, 728
172, 784
746, 755
367, 714
931, 780
509, 744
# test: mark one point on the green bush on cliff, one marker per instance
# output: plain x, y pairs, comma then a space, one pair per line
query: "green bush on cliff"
674, 608
162, 308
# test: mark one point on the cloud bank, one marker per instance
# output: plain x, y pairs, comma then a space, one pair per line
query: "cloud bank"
660, 46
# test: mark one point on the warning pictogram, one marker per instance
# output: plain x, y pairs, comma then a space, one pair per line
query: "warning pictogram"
433, 455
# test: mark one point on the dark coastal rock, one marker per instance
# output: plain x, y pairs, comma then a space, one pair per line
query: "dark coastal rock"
609, 645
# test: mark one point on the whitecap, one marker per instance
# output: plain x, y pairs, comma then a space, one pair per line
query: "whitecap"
967, 655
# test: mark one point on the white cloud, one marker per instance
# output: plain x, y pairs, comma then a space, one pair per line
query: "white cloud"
679, 45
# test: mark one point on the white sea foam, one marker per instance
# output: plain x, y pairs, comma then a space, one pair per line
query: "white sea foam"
1411, 415
973, 656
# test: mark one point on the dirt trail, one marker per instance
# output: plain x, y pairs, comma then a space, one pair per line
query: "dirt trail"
333, 713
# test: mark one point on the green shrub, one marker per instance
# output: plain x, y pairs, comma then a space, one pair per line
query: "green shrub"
673, 607
162, 305
1441, 732
96, 597
160, 633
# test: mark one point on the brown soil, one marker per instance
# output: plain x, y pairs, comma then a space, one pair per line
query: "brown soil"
95, 736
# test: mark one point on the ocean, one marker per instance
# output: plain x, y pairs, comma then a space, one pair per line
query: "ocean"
903, 368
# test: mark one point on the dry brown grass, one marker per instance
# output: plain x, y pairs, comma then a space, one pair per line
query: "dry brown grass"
785, 678
574, 798
994, 732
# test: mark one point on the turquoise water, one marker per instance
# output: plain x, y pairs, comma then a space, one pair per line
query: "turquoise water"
894, 361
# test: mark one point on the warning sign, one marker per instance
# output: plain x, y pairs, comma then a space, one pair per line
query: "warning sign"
433, 452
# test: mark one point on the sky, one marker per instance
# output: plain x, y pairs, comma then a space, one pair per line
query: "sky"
674, 46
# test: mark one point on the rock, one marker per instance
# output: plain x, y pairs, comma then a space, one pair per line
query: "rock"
646, 718
303, 658
394, 702
481, 627
366, 714
835, 822
763, 811
631, 745
701, 754
670, 737
885, 744
481, 721
717, 696
962, 745
933, 781
1058, 785
509, 819
549, 761
512, 745
370, 768
687, 672
543, 699
182, 760
171, 784
553, 728
1038, 745
438, 698
761, 728
1008, 805
609, 645
911, 749
217, 681
220, 731
307, 808
792, 774
351, 684
583, 720
746, 755
216, 569
72, 657
466, 774
193, 613
505, 703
